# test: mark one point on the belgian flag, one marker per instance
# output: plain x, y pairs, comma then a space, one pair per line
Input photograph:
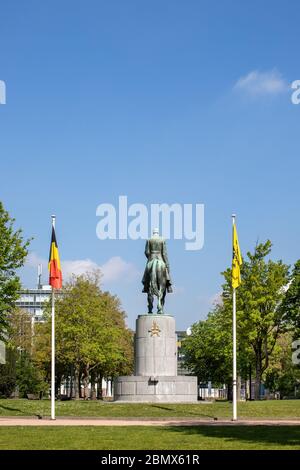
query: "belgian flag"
55, 274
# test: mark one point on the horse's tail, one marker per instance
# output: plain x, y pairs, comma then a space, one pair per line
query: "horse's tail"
154, 289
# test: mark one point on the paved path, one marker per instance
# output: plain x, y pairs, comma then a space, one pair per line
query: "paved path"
30, 421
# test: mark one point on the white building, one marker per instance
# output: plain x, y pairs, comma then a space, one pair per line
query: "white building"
33, 301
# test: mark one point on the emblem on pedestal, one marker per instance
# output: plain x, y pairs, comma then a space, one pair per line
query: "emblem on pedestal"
155, 330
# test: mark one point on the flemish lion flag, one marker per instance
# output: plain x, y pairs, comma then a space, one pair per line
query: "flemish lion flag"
55, 274
236, 260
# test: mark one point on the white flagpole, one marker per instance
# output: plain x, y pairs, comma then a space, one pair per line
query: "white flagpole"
234, 391
53, 347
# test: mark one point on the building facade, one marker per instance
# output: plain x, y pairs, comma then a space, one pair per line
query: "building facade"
34, 300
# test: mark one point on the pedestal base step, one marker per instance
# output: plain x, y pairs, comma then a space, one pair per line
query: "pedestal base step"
167, 389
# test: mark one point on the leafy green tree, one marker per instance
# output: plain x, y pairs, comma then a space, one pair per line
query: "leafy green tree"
41, 354
282, 375
260, 320
91, 335
29, 378
8, 373
259, 316
13, 251
291, 303
208, 350
20, 330
18, 339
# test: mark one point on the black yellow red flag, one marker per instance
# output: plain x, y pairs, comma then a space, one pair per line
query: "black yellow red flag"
55, 274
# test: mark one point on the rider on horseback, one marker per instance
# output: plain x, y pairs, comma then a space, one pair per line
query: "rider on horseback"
156, 250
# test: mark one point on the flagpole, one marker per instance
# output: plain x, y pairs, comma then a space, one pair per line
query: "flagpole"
53, 346
234, 384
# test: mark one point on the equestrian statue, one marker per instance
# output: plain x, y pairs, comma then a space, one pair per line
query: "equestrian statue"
157, 281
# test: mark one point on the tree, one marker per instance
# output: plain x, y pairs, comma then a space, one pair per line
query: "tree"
13, 251
260, 321
91, 335
20, 330
291, 303
208, 350
8, 373
259, 316
19, 338
282, 375
29, 378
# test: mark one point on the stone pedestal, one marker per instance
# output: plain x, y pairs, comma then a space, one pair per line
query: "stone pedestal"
155, 378
155, 346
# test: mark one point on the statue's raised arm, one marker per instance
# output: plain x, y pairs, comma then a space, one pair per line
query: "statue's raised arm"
156, 279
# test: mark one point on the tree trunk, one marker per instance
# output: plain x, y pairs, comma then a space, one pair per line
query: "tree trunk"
71, 382
99, 387
258, 379
86, 377
250, 382
238, 388
77, 383
93, 386
229, 391
58, 385
258, 367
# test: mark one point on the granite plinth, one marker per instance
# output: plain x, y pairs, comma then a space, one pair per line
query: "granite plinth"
167, 389
155, 378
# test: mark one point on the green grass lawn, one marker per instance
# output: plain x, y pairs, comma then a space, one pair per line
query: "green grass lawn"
254, 409
137, 437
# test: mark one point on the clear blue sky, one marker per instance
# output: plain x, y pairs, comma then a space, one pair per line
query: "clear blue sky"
101, 92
